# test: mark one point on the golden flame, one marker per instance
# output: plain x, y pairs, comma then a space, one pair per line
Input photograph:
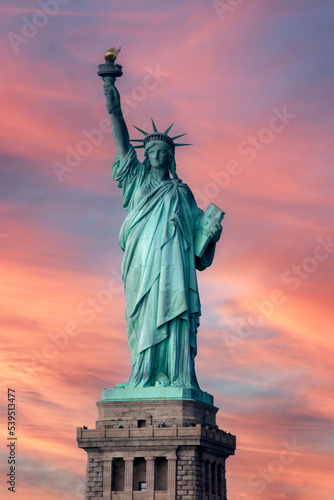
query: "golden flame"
111, 54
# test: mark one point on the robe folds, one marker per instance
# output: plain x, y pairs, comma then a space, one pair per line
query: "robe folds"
159, 274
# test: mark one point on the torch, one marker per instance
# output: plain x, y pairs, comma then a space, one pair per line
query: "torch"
109, 71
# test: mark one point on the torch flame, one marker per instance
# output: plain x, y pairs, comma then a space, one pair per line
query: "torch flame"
111, 54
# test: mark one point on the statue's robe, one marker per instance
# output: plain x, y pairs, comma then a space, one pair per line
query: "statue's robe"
159, 274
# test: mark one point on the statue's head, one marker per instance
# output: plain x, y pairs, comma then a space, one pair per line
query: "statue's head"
159, 141
158, 154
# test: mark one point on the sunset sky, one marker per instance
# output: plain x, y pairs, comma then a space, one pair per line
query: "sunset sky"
252, 83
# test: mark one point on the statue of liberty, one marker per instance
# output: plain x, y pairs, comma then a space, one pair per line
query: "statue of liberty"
159, 264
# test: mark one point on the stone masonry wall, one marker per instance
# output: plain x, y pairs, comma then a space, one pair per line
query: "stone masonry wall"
188, 478
94, 478
224, 484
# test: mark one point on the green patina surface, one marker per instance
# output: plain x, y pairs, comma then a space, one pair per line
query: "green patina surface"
159, 265
159, 274
156, 393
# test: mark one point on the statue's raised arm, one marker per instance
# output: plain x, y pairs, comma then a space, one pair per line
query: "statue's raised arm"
119, 128
109, 71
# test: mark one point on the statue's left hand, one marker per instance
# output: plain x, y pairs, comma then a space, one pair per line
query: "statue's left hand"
216, 232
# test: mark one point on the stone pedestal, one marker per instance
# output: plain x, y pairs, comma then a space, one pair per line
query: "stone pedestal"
157, 449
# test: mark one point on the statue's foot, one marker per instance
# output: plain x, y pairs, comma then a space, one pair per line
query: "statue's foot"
162, 380
121, 386
162, 383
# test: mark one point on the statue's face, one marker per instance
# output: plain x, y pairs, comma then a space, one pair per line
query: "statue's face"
158, 157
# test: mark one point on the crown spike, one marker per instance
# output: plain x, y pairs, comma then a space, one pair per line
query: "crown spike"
137, 147
154, 126
168, 129
178, 136
137, 140
142, 131
182, 145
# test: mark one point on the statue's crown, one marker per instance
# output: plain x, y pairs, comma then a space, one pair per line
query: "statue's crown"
158, 136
